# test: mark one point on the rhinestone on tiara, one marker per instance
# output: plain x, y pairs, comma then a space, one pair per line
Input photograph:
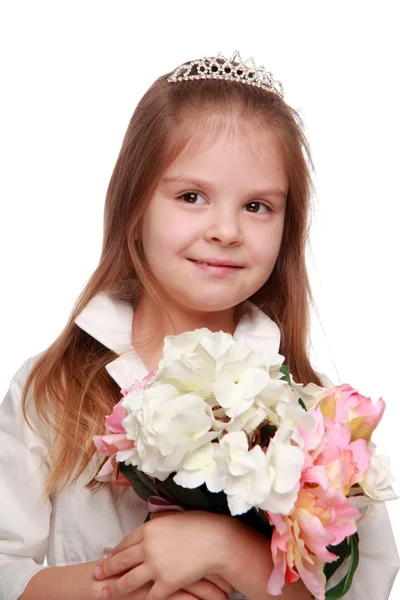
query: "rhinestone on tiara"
233, 69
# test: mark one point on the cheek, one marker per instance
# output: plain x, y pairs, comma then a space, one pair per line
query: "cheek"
167, 233
265, 247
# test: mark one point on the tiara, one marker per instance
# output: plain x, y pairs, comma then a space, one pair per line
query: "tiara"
233, 69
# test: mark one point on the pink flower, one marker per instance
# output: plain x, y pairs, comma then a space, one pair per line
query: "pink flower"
109, 472
332, 459
321, 517
114, 421
139, 384
112, 443
343, 404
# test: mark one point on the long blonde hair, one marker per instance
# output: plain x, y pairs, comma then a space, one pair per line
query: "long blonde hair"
72, 391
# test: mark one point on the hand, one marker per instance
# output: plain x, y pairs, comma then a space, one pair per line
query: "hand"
217, 589
212, 587
208, 588
173, 553
201, 590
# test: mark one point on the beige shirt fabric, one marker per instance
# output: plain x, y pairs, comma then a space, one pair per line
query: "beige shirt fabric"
76, 525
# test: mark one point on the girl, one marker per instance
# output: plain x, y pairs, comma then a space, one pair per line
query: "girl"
205, 225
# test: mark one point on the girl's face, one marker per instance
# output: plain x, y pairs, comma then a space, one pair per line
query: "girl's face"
213, 227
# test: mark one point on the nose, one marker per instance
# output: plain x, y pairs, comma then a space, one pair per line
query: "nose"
224, 229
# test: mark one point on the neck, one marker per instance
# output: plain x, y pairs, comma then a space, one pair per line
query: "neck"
176, 320
150, 326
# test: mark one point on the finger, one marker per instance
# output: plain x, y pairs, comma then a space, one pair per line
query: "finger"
181, 595
135, 537
206, 590
120, 563
221, 583
139, 594
128, 583
161, 590
142, 593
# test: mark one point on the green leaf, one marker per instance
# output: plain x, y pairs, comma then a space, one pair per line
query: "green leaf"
300, 401
189, 499
342, 551
141, 483
286, 375
339, 590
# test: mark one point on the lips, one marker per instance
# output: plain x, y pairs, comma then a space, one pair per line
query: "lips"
216, 262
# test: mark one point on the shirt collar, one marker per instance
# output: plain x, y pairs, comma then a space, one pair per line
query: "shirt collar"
109, 320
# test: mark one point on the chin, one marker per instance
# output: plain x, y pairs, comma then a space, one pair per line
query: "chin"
209, 306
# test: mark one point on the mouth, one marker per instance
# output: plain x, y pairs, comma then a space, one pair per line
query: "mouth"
216, 267
216, 262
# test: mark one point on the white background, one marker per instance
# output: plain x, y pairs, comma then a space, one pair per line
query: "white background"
72, 73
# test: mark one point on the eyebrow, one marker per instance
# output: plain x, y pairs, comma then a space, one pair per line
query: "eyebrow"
204, 184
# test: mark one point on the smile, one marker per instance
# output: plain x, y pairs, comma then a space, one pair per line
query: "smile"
215, 268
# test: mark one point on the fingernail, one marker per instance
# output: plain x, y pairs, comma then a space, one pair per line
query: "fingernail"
98, 572
107, 552
105, 593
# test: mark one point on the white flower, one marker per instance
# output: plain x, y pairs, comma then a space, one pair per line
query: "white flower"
240, 377
275, 403
250, 476
311, 394
191, 343
378, 479
189, 360
294, 415
165, 426
208, 385
278, 393
249, 420
236, 392
205, 465
186, 375
230, 376
286, 461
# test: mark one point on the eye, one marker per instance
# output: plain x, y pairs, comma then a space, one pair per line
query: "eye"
190, 197
255, 207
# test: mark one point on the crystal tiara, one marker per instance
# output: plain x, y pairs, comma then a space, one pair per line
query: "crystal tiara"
233, 69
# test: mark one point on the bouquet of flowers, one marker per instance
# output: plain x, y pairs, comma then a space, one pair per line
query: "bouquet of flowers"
221, 427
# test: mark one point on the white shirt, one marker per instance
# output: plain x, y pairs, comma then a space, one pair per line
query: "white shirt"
78, 526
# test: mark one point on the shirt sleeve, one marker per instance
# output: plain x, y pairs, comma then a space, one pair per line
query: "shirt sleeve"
379, 560
25, 510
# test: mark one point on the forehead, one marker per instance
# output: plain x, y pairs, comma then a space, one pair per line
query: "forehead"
191, 138
207, 141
